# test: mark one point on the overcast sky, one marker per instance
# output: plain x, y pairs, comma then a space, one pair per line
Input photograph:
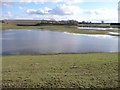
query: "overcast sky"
80, 10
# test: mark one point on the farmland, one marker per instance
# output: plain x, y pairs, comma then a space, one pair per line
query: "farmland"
55, 27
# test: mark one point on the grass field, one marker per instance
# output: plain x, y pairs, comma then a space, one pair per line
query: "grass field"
85, 70
95, 25
61, 28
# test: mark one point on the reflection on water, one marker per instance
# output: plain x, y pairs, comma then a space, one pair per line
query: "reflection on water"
46, 42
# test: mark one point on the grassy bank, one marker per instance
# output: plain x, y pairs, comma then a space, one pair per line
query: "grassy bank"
62, 28
88, 70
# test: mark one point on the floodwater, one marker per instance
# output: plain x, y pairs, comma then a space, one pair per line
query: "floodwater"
96, 28
50, 42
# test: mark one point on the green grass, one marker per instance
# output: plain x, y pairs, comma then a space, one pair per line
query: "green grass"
61, 28
95, 25
87, 70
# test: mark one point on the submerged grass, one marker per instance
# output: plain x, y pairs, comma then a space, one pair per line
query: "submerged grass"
88, 70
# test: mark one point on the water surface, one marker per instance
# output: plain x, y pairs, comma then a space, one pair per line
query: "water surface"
49, 42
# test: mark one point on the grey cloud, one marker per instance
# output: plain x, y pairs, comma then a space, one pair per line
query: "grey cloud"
33, 11
60, 11
38, 11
